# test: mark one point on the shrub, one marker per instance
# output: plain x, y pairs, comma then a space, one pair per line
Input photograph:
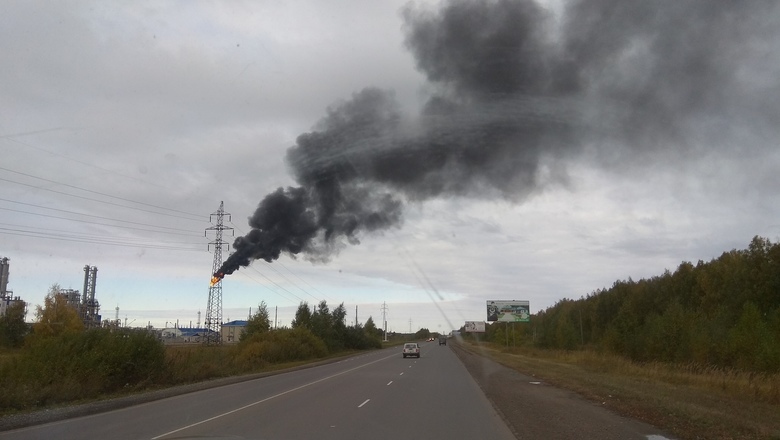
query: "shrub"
72, 366
284, 345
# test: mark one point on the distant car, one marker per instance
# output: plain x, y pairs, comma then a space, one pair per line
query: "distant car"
442, 340
430, 339
411, 349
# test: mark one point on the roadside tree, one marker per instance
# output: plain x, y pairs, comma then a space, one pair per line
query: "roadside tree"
260, 322
56, 316
12, 326
302, 316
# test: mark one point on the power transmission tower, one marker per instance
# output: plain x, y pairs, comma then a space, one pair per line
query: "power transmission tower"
384, 318
213, 324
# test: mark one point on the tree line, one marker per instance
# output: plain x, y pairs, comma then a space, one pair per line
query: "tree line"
723, 313
327, 326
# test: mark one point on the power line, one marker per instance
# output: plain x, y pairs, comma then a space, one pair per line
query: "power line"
11, 139
244, 273
271, 266
27, 133
100, 224
111, 243
100, 193
26, 228
79, 213
276, 284
95, 200
60, 235
303, 281
425, 283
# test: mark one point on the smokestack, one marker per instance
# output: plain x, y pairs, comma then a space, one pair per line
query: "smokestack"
85, 292
5, 269
520, 94
93, 284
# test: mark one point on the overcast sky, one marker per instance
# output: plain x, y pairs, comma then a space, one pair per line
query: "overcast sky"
533, 151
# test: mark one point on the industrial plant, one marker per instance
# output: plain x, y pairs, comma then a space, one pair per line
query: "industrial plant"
85, 304
7, 298
213, 331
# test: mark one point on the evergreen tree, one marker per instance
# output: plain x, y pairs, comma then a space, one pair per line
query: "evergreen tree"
302, 316
370, 328
260, 322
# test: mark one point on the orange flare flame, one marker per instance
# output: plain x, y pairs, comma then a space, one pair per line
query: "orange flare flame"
216, 278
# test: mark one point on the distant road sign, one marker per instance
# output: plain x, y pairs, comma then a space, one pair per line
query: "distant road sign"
508, 311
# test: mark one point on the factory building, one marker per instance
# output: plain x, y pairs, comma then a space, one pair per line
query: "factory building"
7, 298
232, 331
85, 304
182, 335
7, 302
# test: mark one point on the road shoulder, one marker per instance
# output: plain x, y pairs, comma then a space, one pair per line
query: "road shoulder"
534, 409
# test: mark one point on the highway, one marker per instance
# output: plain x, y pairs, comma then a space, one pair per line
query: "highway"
378, 395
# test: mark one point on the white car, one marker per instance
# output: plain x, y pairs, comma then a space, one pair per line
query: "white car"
411, 349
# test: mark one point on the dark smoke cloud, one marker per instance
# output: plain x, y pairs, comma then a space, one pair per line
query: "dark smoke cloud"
516, 88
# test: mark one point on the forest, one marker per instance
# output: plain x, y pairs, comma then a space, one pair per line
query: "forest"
724, 313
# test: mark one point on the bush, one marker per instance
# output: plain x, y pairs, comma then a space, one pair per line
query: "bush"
73, 366
284, 345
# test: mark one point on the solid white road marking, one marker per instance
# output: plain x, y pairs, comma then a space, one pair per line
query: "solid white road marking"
272, 397
361, 405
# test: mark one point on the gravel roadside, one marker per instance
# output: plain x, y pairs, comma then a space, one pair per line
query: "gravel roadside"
534, 409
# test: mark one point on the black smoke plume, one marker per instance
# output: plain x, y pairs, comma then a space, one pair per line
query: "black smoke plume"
519, 87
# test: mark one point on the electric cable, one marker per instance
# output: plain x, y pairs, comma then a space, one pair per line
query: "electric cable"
101, 193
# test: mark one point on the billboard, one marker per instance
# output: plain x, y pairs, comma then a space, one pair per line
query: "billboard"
475, 327
508, 311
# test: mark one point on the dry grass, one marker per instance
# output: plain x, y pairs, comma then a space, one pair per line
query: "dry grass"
688, 401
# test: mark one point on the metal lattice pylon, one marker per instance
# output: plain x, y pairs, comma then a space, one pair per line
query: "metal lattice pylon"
213, 324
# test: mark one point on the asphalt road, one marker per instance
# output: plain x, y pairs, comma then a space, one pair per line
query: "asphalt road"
378, 395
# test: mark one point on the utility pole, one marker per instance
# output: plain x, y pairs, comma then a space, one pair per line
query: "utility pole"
384, 318
410, 326
356, 316
213, 323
